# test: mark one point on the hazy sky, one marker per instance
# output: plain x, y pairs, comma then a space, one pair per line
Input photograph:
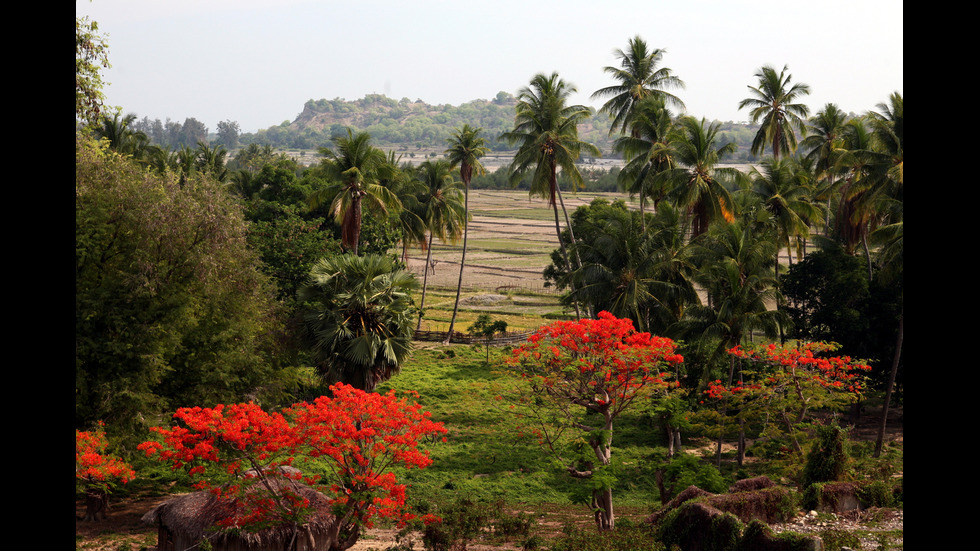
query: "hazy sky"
258, 61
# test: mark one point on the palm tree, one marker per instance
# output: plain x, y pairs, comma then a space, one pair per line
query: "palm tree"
466, 147
822, 146
545, 130
353, 174
638, 77
442, 210
648, 151
122, 138
696, 183
774, 103
360, 331
786, 195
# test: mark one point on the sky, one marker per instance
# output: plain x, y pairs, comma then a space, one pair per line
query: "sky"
257, 62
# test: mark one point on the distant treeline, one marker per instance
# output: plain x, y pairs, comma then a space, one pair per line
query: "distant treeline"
403, 124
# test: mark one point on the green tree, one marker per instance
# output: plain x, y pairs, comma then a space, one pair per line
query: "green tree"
466, 148
785, 192
822, 146
121, 135
697, 184
352, 171
91, 56
546, 134
648, 152
638, 77
171, 308
774, 106
359, 324
228, 134
442, 211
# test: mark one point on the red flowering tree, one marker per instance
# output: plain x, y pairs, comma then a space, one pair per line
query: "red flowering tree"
569, 369
97, 472
787, 383
348, 441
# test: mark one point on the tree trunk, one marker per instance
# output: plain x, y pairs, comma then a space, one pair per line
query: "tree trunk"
462, 260
879, 442
425, 283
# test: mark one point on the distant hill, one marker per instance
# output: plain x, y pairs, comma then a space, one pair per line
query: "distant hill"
406, 125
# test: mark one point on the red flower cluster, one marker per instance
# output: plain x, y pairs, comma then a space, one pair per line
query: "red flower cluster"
809, 360
359, 435
605, 360
93, 466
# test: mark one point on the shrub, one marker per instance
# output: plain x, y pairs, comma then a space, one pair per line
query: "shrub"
827, 459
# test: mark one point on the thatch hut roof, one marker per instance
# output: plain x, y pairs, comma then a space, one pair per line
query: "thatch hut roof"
185, 520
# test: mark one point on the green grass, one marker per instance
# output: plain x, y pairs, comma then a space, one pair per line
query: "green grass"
484, 456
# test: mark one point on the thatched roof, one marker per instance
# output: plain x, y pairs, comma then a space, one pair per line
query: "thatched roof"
196, 515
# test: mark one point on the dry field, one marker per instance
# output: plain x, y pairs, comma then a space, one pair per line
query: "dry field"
510, 239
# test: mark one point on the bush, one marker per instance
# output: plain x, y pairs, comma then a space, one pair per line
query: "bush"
827, 459
631, 538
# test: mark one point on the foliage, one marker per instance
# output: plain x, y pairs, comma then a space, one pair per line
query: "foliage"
359, 322
486, 328
91, 56
633, 538
574, 374
827, 459
684, 469
349, 440
96, 469
783, 385
170, 307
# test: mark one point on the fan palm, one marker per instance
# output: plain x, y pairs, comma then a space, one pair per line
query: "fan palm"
774, 103
360, 331
353, 174
545, 131
638, 77
466, 148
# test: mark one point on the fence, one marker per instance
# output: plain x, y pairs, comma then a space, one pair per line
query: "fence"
465, 338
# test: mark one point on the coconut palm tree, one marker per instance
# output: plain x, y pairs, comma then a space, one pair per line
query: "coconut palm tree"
774, 103
442, 209
545, 131
822, 146
638, 77
648, 152
696, 183
466, 148
353, 174
121, 136
782, 187
360, 331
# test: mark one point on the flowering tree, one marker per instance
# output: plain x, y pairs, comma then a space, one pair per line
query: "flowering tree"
786, 383
97, 472
568, 369
247, 456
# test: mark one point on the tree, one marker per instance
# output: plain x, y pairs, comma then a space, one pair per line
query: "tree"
98, 472
546, 133
349, 440
697, 185
639, 77
91, 56
121, 135
785, 193
648, 152
574, 374
466, 148
360, 323
774, 103
443, 210
171, 307
485, 327
352, 171
228, 134
822, 146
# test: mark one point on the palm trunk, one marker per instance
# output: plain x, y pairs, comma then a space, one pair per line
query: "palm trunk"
879, 442
571, 235
462, 261
425, 282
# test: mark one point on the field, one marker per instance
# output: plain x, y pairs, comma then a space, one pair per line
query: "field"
510, 239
